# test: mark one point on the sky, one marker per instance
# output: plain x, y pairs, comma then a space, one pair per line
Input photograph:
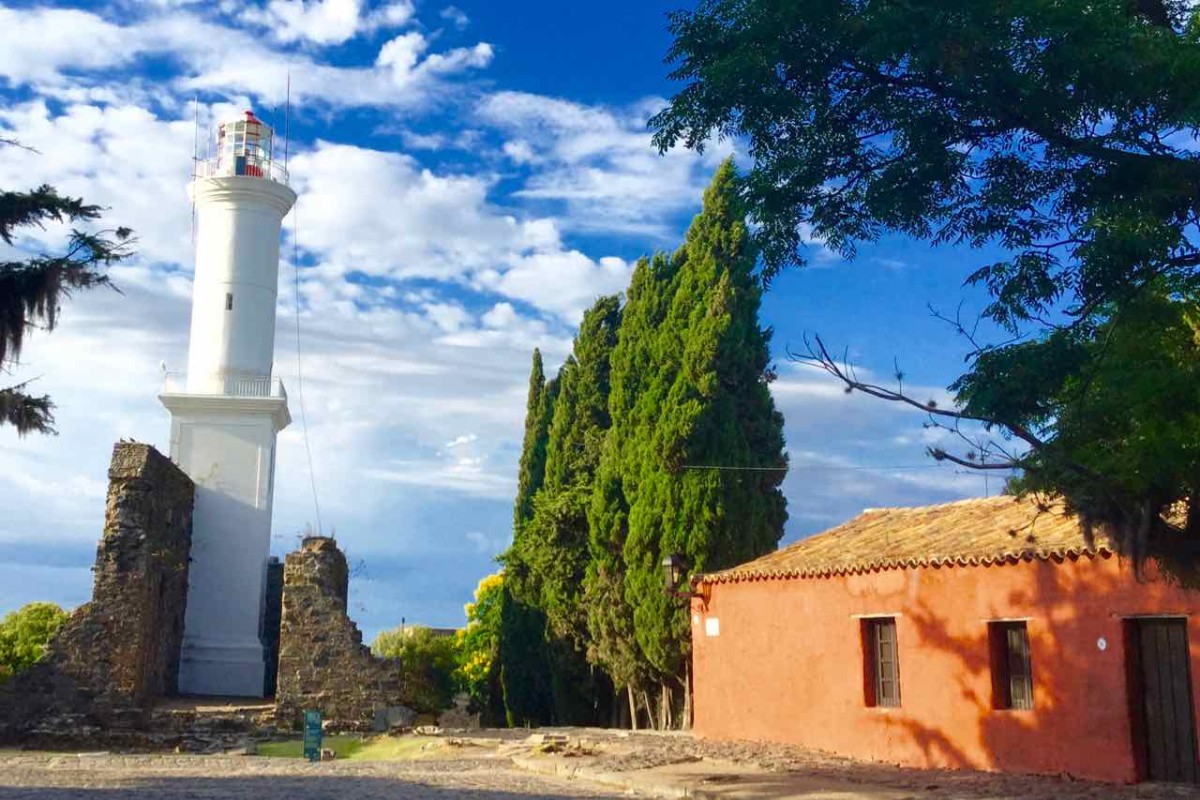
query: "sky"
470, 178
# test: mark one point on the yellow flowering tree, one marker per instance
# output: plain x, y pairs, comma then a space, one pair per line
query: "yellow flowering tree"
478, 645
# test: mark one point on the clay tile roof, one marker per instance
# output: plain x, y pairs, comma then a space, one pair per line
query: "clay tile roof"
997, 530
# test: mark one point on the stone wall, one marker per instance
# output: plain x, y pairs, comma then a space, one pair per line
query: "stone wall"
323, 663
119, 653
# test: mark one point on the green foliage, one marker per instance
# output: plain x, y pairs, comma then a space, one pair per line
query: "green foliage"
701, 401
554, 543
25, 634
612, 643
538, 410
427, 665
545, 622
1125, 403
1060, 131
676, 379
525, 670
478, 646
32, 289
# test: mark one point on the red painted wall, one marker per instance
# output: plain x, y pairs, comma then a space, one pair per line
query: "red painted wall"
787, 664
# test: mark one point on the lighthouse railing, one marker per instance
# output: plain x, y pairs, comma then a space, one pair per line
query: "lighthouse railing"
223, 385
225, 166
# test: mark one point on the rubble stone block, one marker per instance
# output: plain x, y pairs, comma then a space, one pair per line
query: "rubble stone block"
118, 654
323, 663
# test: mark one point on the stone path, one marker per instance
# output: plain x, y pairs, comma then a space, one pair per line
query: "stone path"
145, 777
678, 765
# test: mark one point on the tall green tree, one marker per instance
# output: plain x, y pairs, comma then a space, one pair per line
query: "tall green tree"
558, 533
689, 400
523, 662
32, 288
554, 543
1060, 131
708, 408
612, 643
539, 406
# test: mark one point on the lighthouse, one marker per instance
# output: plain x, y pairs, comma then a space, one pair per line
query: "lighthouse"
228, 409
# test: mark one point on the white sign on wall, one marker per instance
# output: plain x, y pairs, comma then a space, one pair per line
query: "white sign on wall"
712, 627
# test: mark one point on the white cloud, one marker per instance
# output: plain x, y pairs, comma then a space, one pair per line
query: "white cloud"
599, 162
35, 44
459, 441
122, 158
47, 47
455, 16
566, 282
317, 21
380, 213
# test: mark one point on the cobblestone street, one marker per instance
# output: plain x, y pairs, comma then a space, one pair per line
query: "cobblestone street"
142, 777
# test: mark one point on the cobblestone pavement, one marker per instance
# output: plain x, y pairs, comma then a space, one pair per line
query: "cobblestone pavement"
143, 777
645, 753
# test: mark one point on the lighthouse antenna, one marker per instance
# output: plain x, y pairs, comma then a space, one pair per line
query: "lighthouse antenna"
287, 121
195, 158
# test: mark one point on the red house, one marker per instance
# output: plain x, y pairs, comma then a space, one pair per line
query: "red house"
983, 634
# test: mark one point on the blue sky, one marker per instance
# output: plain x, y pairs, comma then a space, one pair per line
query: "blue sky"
471, 177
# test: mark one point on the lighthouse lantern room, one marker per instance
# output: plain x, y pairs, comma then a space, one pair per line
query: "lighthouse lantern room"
227, 410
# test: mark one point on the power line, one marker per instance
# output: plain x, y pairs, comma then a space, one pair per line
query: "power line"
312, 475
722, 468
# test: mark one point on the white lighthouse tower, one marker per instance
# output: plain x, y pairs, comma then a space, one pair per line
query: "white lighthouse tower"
228, 409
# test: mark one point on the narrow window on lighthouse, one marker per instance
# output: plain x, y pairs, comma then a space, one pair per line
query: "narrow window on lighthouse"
228, 301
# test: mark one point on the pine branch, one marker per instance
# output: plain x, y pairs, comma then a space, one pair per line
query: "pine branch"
32, 291
42, 205
27, 413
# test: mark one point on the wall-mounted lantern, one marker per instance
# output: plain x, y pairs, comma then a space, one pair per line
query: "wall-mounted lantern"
675, 572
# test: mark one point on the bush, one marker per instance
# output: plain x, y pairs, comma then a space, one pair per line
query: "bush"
427, 664
25, 634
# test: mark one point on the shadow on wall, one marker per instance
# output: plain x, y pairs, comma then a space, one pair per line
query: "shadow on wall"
1086, 702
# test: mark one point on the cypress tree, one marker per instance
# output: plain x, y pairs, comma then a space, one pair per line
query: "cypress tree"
611, 641
554, 543
524, 668
533, 449
690, 389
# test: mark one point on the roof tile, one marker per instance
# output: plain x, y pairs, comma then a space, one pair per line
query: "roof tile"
981, 531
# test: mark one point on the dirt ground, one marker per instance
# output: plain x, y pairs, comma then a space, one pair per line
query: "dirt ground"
756, 769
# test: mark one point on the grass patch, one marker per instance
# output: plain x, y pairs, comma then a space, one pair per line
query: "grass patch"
355, 748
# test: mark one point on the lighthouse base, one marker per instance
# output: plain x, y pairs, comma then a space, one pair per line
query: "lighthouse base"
226, 445
225, 669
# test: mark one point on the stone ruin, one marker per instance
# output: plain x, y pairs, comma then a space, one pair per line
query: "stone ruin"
323, 662
116, 659
118, 654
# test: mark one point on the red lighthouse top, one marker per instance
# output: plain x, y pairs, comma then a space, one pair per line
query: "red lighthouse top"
245, 148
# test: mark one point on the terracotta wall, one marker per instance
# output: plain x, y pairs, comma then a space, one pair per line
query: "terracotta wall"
787, 664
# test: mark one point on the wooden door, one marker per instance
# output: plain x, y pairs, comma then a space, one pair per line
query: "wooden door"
1169, 725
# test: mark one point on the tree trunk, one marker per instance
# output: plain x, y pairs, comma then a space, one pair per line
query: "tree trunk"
633, 713
665, 713
649, 711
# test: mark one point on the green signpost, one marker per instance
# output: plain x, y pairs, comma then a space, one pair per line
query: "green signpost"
312, 735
